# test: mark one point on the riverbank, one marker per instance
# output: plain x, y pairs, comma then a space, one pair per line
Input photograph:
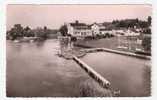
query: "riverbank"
118, 52
109, 43
98, 43
33, 38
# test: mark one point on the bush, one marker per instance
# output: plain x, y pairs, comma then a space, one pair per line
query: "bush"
90, 88
107, 35
112, 35
89, 37
99, 36
146, 43
73, 39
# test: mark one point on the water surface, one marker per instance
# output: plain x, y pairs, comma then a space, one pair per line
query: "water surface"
128, 74
34, 69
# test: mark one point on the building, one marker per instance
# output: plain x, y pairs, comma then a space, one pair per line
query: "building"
132, 32
95, 29
79, 30
82, 30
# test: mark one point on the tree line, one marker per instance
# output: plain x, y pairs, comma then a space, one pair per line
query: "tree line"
131, 23
17, 31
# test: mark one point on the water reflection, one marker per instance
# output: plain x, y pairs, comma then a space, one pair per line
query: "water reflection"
14, 46
39, 44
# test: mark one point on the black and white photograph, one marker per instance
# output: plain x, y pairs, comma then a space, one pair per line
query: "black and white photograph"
78, 50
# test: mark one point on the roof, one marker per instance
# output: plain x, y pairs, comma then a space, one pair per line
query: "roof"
80, 26
103, 26
99, 24
77, 24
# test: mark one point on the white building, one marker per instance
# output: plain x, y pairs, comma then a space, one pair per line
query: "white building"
83, 30
99, 28
95, 29
79, 29
131, 33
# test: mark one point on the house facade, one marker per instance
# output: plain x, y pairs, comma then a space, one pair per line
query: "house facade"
79, 29
95, 29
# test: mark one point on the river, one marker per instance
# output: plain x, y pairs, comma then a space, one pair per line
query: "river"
35, 70
128, 74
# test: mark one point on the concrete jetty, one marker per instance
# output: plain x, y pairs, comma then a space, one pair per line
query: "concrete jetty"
101, 80
117, 52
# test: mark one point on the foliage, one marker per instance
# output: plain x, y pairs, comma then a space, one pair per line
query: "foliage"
27, 32
147, 31
41, 33
149, 20
73, 39
131, 23
90, 88
63, 29
146, 43
16, 31
89, 37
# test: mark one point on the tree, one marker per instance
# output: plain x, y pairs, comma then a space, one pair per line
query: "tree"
27, 32
149, 20
16, 31
45, 28
27, 28
19, 29
147, 31
46, 31
143, 24
115, 21
38, 32
41, 33
136, 20
146, 43
63, 29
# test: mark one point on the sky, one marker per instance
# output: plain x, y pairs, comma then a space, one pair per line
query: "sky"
53, 16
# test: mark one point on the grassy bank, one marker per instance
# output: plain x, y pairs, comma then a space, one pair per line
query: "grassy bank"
111, 43
90, 88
